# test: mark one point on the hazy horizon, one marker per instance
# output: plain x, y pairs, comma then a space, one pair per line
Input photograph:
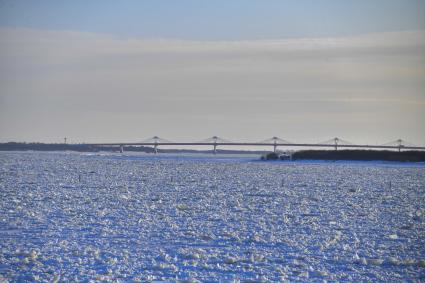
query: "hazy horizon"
245, 71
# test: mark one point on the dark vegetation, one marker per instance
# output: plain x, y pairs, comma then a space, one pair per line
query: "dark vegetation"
22, 146
270, 156
364, 155
361, 155
18, 146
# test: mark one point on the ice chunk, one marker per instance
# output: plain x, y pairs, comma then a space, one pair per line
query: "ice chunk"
182, 207
231, 260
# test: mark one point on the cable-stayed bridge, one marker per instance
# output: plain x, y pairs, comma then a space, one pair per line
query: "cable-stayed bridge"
274, 143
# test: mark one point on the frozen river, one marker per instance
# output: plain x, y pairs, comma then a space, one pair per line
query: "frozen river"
81, 217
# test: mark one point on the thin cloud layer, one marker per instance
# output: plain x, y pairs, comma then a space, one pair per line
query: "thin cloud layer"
93, 87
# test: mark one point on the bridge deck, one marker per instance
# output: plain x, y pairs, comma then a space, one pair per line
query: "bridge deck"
260, 144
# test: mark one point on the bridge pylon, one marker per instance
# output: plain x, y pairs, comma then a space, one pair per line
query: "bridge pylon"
155, 146
274, 141
215, 140
156, 141
400, 144
336, 140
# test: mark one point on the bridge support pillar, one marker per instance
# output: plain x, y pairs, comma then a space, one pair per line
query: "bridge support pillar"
399, 144
215, 149
155, 148
274, 148
121, 148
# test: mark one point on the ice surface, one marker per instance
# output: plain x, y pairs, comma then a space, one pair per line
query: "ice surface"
103, 217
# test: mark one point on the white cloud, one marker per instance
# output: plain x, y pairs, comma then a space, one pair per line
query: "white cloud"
97, 87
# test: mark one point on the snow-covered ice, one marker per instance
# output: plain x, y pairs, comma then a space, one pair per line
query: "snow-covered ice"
109, 217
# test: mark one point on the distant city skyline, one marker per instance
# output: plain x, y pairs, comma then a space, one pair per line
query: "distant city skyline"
111, 71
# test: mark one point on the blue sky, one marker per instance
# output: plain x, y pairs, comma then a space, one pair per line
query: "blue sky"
305, 70
218, 19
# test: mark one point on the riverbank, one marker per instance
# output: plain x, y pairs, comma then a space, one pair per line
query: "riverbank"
360, 155
35, 146
356, 155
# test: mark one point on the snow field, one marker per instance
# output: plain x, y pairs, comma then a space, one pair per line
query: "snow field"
78, 217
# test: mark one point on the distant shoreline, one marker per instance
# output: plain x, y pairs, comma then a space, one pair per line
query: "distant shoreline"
326, 155
21, 146
355, 155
